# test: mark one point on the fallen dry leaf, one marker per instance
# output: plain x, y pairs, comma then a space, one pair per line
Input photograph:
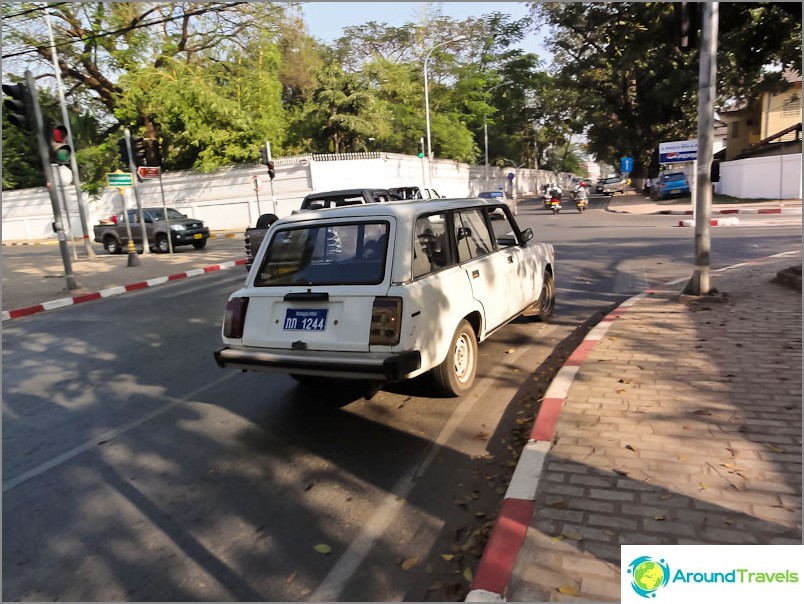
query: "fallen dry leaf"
322, 548
620, 472
573, 536
702, 412
630, 448
510, 351
292, 576
467, 574
447, 557
774, 448
568, 590
409, 563
658, 517
558, 505
665, 497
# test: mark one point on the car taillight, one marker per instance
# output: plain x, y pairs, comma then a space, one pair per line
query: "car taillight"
386, 319
235, 317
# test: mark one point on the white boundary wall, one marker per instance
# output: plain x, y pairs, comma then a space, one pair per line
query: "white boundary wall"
773, 177
225, 199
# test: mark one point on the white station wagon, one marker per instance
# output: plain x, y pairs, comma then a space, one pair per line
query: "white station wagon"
386, 292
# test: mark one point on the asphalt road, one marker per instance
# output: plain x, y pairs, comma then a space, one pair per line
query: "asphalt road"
136, 469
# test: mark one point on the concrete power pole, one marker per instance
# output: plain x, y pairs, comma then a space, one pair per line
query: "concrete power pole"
700, 284
82, 212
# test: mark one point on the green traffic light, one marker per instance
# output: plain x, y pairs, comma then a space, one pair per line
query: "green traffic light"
63, 155
421, 154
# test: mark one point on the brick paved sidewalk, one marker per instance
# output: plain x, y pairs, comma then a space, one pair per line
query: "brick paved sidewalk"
682, 426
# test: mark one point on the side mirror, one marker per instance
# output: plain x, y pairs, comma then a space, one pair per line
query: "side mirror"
463, 233
527, 235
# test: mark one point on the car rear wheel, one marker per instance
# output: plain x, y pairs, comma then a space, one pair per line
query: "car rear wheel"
456, 375
111, 245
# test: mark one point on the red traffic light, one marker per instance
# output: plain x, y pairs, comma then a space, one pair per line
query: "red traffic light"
59, 134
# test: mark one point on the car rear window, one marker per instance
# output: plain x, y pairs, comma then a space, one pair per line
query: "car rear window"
333, 201
326, 254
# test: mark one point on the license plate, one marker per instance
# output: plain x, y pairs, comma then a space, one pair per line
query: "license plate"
303, 319
675, 191
197, 236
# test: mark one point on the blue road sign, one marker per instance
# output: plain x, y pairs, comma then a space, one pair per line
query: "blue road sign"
626, 164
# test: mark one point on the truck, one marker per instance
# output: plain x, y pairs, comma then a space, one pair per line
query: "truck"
314, 201
113, 235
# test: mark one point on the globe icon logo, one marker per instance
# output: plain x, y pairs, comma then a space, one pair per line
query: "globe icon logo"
648, 575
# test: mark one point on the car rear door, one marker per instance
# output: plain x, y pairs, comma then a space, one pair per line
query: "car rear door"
315, 290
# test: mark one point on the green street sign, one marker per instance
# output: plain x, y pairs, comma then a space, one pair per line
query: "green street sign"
120, 179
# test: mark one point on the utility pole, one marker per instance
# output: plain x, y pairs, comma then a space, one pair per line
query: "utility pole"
133, 167
699, 284
82, 212
44, 155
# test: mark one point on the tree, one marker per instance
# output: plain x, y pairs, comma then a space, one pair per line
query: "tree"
639, 88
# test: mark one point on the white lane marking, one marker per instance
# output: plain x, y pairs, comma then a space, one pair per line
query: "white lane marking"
68, 455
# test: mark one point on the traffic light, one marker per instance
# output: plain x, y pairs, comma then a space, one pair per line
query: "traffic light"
19, 107
139, 150
271, 172
263, 156
60, 151
121, 147
152, 152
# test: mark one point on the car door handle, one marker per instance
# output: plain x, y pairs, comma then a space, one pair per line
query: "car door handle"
510, 259
475, 274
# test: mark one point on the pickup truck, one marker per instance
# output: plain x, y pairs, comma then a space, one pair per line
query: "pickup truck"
314, 201
183, 231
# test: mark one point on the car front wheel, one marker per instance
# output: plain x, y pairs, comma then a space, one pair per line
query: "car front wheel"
456, 375
200, 244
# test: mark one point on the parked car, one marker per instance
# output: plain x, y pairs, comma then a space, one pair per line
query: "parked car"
345, 197
314, 201
113, 235
503, 195
411, 287
674, 184
415, 192
611, 185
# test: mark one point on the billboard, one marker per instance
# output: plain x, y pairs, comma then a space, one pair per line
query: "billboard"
678, 151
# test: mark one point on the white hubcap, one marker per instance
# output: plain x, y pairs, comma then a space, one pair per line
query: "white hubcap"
463, 358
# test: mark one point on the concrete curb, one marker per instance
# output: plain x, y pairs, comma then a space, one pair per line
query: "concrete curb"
712, 222
508, 534
737, 211
115, 291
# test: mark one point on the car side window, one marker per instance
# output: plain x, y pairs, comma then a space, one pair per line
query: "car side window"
472, 235
504, 232
430, 245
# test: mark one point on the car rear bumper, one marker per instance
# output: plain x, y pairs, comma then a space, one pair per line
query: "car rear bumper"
366, 365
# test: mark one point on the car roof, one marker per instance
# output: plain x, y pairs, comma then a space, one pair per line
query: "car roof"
401, 209
345, 192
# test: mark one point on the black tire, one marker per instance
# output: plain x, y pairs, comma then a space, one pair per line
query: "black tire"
162, 246
456, 374
112, 245
200, 244
546, 305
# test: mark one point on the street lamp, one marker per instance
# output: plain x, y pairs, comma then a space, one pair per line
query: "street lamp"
426, 92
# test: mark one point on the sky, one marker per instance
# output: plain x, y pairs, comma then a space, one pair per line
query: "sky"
326, 20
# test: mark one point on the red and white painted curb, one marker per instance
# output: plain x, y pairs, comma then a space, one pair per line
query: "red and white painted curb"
738, 211
114, 291
712, 222
508, 535
499, 558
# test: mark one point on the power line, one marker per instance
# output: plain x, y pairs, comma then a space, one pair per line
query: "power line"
34, 9
133, 27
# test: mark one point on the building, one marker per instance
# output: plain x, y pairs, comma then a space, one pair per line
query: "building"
767, 125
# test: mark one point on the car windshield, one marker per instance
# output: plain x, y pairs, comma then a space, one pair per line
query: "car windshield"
326, 254
612, 179
159, 214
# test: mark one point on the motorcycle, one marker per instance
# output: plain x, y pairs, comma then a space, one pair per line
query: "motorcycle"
582, 203
555, 202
